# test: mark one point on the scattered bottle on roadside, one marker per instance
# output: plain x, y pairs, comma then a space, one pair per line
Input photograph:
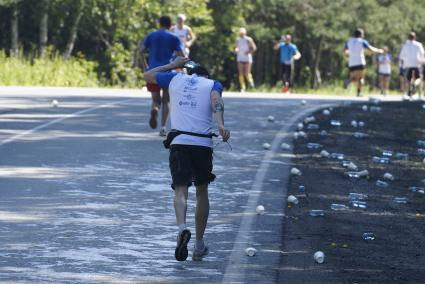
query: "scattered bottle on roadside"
295, 172
319, 257
400, 200
300, 126
316, 213
337, 156
314, 146
357, 196
358, 204
292, 199
285, 146
323, 133
401, 156
336, 123
359, 174
270, 118
387, 153
380, 160
361, 124
416, 189
381, 183
354, 123
375, 109
324, 154
388, 176
312, 126
359, 135
420, 143
421, 151
364, 107
326, 112
250, 251
369, 236
309, 119
301, 189
339, 207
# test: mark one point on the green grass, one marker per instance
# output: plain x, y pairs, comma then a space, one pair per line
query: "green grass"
50, 70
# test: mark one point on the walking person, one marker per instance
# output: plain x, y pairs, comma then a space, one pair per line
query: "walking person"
412, 56
184, 33
245, 47
384, 71
288, 53
354, 48
195, 100
161, 45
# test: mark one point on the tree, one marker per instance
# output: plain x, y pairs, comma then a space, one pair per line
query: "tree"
44, 20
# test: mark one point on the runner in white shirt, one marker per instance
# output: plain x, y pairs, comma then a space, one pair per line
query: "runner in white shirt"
384, 71
412, 56
245, 47
184, 33
354, 48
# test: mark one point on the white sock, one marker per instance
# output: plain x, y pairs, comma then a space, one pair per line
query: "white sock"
182, 227
199, 244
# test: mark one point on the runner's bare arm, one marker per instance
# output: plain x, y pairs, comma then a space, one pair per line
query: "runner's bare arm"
375, 50
150, 76
191, 38
297, 55
252, 45
142, 50
217, 105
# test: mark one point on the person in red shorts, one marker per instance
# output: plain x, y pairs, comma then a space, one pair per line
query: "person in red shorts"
161, 46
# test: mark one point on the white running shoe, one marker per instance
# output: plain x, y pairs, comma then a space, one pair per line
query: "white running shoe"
199, 254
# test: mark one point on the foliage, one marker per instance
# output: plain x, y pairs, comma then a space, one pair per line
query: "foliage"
110, 30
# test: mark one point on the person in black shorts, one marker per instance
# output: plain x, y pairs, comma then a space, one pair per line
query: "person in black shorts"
195, 100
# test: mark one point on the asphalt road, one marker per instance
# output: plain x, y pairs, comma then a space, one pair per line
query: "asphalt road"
85, 195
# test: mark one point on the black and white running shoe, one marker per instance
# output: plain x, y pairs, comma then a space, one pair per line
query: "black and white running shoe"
183, 239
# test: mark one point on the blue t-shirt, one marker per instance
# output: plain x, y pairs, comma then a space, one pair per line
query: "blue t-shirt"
287, 51
161, 45
163, 80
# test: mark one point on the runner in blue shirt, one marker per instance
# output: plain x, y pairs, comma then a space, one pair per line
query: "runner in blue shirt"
161, 45
288, 53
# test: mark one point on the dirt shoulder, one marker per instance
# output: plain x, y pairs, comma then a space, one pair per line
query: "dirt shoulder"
397, 255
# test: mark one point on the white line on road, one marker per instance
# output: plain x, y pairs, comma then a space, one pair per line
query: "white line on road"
234, 271
67, 116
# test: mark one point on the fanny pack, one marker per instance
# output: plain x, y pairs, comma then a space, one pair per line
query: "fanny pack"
174, 133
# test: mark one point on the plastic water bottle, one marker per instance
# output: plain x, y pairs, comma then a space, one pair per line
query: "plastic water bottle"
301, 189
316, 213
314, 146
381, 183
357, 196
359, 204
380, 160
339, 207
361, 124
402, 156
312, 126
421, 151
416, 189
336, 123
420, 143
359, 135
323, 133
369, 236
388, 176
400, 200
387, 153
337, 156
360, 174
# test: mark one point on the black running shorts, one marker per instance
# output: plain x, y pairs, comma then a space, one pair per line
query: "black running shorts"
356, 67
410, 72
191, 164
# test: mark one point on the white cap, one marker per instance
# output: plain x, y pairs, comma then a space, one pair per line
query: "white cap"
181, 16
242, 30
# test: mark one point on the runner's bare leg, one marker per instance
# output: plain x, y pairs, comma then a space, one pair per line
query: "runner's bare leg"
180, 203
165, 107
202, 210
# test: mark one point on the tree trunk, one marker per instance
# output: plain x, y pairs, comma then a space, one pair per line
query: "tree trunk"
316, 79
14, 31
74, 31
44, 27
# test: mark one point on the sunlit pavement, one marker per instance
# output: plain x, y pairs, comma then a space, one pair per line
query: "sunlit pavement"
85, 195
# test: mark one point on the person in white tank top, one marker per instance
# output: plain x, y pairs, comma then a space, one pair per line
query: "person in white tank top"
245, 47
384, 70
184, 33
195, 100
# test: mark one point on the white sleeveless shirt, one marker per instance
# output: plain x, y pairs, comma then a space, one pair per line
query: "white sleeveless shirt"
242, 43
182, 34
190, 108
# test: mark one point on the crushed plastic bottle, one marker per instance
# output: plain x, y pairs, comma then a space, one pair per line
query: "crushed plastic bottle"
380, 160
345, 163
312, 126
324, 154
364, 107
358, 204
401, 156
361, 124
420, 143
421, 151
353, 174
416, 189
339, 207
323, 133
337, 156
326, 112
314, 146
300, 126
388, 176
357, 196
316, 213
336, 123
375, 109
381, 183
359, 135
368, 236
400, 200
354, 124
270, 118
309, 119
387, 153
